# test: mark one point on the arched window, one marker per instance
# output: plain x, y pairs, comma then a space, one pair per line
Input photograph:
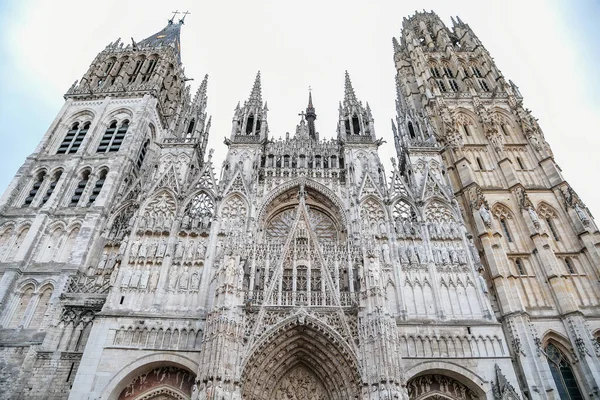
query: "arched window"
142, 154
484, 85
411, 130
476, 71
73, 138
22, 304
435, 72
441, 85
453, 85
41, 308
465, 128
50, 190
257, 131
250, 125
39, 179
480, 164
109, 65
149, 70
97, 187
520, 162
563, 375
504, 130
448, 71
520, 267
505, 229
570, 267
347, 127
136, 69
190, 128
85, 176
552, 228
356, 125
113, 137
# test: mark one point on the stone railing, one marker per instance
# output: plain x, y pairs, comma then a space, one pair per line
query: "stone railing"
301, 298
246, 139
359, 139
182, 140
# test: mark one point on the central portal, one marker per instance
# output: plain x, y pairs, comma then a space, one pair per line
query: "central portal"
299, 384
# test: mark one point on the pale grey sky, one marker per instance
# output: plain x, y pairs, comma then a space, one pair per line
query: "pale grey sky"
546, 47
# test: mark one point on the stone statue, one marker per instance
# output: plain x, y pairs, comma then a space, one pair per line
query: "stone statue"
402, 254
173, 278
184, 279
374, 273
144, 278
582, 215
135, 278
445, 255
113, 276
385, 251
179, 250
483, 283
126, 278
154, 279
534, 217
162, 247
189, 255
143, 250
485, 215
195, 281
194, 391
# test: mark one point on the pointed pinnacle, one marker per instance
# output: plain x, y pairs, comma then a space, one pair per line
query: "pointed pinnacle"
201, 92
256, 89
310, 103
348, 89
396, 44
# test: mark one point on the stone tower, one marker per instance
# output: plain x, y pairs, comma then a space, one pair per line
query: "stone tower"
66, 215
538, 242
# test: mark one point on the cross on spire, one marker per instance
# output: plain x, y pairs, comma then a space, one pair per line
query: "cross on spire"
174, 15
184, 15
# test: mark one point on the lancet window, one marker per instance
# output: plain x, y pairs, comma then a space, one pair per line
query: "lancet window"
563, 375
85, 176
39, 179
73, 139
113, 137
142, 154
52, 186
520, 267
570, 267
549, 216
97, 186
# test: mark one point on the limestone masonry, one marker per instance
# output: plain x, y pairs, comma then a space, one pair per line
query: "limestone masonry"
304, 271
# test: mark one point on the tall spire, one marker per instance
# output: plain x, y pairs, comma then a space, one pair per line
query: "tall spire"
168, 36
256, 94
349, 96
311, 116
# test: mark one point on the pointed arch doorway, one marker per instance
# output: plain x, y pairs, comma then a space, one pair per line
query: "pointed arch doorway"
301, 360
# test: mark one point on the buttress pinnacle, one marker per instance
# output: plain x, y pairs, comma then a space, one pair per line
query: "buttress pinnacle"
349, 95
256, 90
200, 96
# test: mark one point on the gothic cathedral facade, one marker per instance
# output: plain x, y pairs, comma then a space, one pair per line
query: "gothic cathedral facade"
129, 270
